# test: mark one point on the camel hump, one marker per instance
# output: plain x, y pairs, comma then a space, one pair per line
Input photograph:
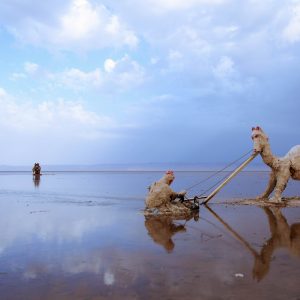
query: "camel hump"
294, 157
294, 152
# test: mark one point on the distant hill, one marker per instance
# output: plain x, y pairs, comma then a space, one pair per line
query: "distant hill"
134, 167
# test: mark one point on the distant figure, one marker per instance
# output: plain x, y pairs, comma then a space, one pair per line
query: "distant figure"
36, 170
160, 193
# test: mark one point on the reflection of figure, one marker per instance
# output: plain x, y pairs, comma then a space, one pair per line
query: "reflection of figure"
160, 192
36, 170
282, 236
162, 228
36, 180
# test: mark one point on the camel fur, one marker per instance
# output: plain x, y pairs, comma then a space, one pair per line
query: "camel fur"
282, 168
160, 193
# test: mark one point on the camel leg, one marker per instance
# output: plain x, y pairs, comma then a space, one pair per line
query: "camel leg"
282, 179
283, 227
271, 219
270, 186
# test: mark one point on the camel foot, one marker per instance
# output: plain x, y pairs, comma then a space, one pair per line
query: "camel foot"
275, 200
261, 198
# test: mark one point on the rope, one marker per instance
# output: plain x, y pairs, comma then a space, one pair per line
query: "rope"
215, 173
199, 196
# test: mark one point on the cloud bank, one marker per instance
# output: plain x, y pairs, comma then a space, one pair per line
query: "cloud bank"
124, 80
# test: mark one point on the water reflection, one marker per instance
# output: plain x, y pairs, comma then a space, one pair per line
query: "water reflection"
36, 180
162, 228
283, 235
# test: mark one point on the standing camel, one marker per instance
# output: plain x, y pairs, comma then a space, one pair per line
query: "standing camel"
282, 168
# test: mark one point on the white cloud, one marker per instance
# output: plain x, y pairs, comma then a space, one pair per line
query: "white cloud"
194, 41
121, 74
229, 79
186, 49
169, 5
190, 41
17, 76
109, 65
174, 55
60, 117
154, 60
226, 31
125, 73
81, 27
77, 79
291, 32
31, 68
3, 93
80, 21
225, 68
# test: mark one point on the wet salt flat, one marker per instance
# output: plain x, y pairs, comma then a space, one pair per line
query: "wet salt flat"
81, 235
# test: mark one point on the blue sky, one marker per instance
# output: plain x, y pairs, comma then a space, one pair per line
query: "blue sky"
90, 81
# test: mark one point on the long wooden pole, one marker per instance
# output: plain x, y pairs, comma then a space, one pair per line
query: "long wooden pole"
235, 172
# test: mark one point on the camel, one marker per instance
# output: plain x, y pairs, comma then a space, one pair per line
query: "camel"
160, 193
282, 168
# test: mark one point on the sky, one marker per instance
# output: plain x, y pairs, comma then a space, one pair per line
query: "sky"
151, 81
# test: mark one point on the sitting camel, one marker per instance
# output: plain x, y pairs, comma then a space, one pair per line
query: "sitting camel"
160, 193
282, 167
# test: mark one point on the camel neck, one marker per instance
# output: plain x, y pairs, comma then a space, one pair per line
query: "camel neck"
267, 156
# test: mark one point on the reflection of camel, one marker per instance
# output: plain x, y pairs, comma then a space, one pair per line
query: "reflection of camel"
282, 236
36, 180
162, 228
282, 168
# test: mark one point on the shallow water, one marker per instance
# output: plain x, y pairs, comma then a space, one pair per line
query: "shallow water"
81, 235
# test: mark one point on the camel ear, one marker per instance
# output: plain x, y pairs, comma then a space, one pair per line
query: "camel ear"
253, 128
258, 128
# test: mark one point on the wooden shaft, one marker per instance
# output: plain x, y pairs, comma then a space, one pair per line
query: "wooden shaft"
236, 171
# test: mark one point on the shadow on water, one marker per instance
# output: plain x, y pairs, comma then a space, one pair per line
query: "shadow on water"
282, 235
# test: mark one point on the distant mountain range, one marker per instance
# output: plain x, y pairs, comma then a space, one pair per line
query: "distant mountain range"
134, 167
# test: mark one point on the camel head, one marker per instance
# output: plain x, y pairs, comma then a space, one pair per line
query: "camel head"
260, 139
169, 177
